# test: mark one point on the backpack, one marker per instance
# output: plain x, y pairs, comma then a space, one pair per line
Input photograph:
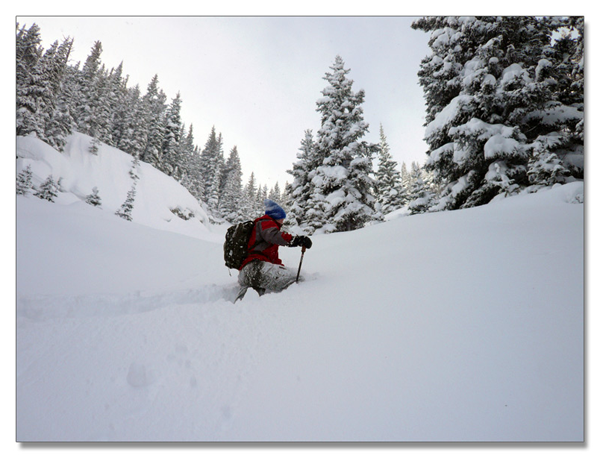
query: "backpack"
235, 248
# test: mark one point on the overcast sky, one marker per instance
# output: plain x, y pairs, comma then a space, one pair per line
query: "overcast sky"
257, 79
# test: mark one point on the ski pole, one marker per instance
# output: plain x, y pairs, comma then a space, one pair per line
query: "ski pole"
300, 266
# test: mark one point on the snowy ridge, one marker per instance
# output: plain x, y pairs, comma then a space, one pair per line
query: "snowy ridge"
451, 326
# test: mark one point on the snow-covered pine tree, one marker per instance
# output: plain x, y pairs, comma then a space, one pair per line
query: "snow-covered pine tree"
116, 97
54, 112
134, 170
172, 136
286, 200
34, 95
129, 129
192, 179
24, 181
555, 129
94, 198
545, 168
577, 80
249, 198
341, 196
405, 181
60, 124
98, 115
232, 191
28, 52
212, 163
485, 102
390, 193
275, 193
299, 189
86, 98
48, 190
213, 194
153, 109
185, 154
420, 191
261, 195
126, 210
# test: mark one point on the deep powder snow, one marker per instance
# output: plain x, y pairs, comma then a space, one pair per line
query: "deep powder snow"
453, 326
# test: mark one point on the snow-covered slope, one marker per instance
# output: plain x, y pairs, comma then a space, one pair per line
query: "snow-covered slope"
156, 193
456, 326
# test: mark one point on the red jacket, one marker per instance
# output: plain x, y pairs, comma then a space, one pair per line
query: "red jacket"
265, 240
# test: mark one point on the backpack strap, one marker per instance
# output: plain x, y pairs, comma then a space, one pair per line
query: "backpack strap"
251, 249
257, 221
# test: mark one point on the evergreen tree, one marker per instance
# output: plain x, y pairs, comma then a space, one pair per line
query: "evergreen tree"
59, 122
232, 192
341, 198
213, 192
172, 137
24, 181
48, 190
115, 97
126, 209
545, 168
275, 193
390, 193
154, 107
130, 131
261, 195
420, 191
490, 97
192, 179
33, 91
249, 201
94, 198
185, 152
87, 95
555, 130
134, 170
286, 200
212, 164
405, 182
300, 188
28, 52
100, 118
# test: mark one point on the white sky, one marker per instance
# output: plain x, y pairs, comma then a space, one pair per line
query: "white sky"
257, 79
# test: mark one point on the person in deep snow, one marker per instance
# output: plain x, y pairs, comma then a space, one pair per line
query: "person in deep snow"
262, 270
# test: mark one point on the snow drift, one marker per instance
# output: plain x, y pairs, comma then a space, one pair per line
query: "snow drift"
454, 326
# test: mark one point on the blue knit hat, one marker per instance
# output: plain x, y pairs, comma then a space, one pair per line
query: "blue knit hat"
273, 210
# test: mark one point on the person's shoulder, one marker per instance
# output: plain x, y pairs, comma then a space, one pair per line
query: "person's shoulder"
267, 222
264, 219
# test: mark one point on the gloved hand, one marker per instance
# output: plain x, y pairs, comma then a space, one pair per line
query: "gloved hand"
301, 240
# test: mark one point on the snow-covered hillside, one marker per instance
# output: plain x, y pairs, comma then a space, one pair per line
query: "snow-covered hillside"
454, 326
157, 195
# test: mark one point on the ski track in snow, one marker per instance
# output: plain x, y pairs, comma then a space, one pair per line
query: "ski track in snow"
41, 307
134, 359
135, 364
